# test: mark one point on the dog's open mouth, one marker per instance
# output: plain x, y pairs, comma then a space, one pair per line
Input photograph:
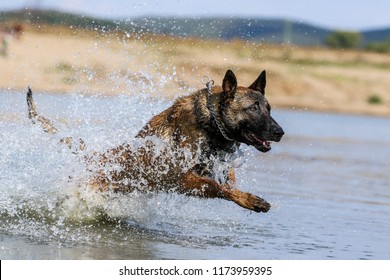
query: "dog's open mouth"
259, 143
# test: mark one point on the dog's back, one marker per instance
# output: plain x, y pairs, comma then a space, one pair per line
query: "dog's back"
174, 141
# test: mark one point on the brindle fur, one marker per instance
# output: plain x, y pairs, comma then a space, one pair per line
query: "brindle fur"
188, 125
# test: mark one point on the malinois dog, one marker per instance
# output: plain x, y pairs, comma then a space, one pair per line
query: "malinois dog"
184, 148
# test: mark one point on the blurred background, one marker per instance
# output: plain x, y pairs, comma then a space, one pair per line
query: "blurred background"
319, 55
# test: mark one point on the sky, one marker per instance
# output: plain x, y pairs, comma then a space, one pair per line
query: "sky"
335, 14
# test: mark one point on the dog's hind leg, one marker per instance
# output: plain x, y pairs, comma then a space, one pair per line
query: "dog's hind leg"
195, 185
45, 123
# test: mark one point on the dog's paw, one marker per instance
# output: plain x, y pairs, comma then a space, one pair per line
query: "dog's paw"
260, 205
250, 201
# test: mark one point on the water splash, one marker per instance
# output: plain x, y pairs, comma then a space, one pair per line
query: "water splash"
314, 193
44, 195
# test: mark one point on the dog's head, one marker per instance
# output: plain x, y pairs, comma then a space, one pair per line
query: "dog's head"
246, 113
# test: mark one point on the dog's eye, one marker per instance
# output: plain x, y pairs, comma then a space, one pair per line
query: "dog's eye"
255, 107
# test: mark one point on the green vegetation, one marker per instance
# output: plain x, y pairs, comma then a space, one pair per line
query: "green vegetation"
64, 67
374, 99
343, 40
381, 47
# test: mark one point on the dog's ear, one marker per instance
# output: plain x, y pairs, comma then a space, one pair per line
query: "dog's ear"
259, 84
229, 84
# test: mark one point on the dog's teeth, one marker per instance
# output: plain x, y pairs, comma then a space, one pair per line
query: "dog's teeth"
266, 143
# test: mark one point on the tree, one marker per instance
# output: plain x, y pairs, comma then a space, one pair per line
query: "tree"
382, 47
343, 39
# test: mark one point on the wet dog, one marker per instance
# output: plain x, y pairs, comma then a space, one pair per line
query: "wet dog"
184, 147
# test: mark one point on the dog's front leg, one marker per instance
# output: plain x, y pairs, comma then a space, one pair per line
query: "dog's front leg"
248, 201
193, 184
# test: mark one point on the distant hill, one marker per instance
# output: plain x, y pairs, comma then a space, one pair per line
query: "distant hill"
56, 18
253, 29
376, 35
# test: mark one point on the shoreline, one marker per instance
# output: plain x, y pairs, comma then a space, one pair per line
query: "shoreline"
275, 106
313, 79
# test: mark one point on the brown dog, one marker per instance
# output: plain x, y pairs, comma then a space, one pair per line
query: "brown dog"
185, 147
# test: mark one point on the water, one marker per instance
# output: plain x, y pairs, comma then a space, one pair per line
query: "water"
327, 181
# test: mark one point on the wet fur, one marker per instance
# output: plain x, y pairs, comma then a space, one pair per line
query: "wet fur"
192, 144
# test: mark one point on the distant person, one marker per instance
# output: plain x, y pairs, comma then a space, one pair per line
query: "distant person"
7, 34
17, 30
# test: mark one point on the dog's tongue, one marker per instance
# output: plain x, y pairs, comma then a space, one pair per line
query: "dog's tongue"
265, 143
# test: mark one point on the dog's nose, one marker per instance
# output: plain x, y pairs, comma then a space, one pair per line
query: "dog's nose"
278, 132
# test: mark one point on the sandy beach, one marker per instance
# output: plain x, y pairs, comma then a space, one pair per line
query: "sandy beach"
67, 61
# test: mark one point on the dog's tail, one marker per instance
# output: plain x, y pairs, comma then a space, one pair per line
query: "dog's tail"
47, 125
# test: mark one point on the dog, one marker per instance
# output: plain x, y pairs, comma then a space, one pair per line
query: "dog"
183, 148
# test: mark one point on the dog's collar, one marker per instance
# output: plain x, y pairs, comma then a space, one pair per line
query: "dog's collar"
209, 85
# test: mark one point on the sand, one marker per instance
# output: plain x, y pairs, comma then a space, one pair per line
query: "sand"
110, 64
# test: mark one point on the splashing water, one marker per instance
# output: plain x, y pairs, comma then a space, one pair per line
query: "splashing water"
324, 205
43, 196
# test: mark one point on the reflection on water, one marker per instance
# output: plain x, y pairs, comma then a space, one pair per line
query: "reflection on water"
327, 180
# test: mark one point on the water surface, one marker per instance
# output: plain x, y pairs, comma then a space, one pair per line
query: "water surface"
327, 181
